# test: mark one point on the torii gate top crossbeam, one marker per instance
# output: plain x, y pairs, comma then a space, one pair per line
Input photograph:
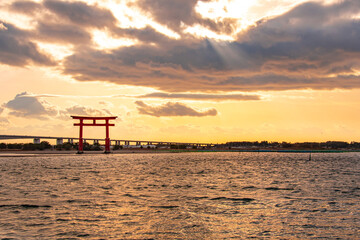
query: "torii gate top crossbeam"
93, 118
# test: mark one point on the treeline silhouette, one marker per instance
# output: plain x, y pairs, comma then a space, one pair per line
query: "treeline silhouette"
298, 145
44, 145
26, 146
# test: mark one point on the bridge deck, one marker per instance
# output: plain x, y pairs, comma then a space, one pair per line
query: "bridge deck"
8, 137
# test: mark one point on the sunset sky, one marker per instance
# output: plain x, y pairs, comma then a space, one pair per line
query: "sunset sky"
182, 70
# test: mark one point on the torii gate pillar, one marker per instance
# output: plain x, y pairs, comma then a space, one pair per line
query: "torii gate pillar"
94, 123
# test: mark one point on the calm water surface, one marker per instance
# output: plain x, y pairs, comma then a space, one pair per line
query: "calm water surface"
181, 196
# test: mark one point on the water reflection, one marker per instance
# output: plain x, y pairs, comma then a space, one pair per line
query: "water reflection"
180, 196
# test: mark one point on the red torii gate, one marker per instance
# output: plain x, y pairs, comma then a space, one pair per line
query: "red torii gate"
94, 123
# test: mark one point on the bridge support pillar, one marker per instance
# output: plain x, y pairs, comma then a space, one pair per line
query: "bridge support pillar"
59, 141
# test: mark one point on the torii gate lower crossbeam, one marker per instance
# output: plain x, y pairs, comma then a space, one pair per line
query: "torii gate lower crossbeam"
81, 124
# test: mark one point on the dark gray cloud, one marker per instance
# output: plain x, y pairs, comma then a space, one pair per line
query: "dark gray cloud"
172, 68
81, 13
312, 46
24, 105
75, 12
309, 25
63, 21
171, 13
175, 13
69, 22
55, 22
194, 96
61, 33
172, 109
26, 7
147, 35
17, 49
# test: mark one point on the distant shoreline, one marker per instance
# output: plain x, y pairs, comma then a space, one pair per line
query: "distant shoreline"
19, 153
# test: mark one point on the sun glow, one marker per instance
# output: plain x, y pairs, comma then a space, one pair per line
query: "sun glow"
19, 20
104, 41
230, 8
237, 9
2, 27
203, 32
58, 52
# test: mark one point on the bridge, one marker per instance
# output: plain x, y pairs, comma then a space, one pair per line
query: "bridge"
98, 121
60, 140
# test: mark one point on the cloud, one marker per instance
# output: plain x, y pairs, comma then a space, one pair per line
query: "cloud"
194, 96
25, 7
176, 14
146, 34
34, 106
64, 22
176, 68
106, 103
85, 111
171, 13
62, 33
4, 122
2, 27
297, 26
24, 105
172, 109
81, 13
311, 46
17, 49
160, 95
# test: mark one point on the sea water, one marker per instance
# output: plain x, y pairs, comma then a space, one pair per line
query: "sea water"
181, 196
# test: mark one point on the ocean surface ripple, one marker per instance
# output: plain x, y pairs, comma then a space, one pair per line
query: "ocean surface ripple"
181, 196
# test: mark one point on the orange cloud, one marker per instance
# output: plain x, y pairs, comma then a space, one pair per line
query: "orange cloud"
172, 109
